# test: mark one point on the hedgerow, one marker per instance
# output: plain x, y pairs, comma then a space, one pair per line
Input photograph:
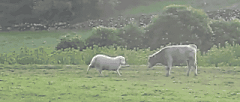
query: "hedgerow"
178, 24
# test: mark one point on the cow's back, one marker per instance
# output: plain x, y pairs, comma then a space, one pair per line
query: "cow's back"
179, 54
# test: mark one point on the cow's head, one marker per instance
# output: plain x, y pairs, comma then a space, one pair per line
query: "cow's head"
152, 61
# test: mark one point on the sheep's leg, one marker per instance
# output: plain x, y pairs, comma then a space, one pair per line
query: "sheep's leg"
118, 72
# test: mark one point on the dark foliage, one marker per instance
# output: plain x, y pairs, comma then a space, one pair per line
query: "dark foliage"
71, 42
103, 36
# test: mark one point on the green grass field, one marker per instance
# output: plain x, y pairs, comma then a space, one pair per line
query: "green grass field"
13, 41
137, 84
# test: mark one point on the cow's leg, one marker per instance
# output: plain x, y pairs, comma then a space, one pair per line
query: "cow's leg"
167, 73
118, 73
189, 67
100, 71
89, 67
169, 66
195, 66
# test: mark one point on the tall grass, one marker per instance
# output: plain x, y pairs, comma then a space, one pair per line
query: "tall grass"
42, 55
223, 56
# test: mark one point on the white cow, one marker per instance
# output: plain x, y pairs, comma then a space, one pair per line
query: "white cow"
174, 55
103, 62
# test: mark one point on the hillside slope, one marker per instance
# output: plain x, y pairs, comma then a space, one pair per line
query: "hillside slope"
156, 6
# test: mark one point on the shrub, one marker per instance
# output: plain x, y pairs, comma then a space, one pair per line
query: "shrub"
103, 36
71, 42
226, 31
132, 36
221, 55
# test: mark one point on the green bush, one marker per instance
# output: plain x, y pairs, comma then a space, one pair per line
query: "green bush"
223, 56
132, 36
103, 36
71, 42
226, 31
69, 56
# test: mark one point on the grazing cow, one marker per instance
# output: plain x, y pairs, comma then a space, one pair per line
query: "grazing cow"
174, 55
103, 62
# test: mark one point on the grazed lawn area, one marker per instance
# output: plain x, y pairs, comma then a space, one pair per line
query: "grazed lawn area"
137, 84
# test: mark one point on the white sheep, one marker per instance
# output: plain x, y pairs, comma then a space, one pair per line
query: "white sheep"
103, 62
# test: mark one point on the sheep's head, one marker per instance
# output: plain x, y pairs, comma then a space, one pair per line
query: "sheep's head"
122, 60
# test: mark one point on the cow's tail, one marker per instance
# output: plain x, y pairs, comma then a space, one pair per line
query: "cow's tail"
194, 54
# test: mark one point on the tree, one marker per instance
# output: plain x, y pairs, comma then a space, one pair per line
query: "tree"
180, 24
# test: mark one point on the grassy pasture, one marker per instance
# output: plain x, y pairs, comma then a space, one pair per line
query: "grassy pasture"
14, 40
137, 84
